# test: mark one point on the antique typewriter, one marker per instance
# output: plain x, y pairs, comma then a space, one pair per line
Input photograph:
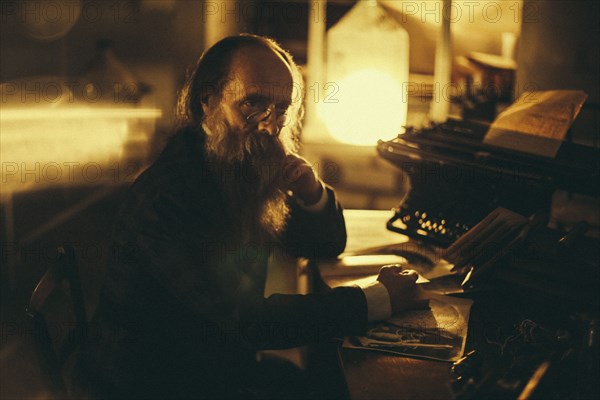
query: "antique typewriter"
456, 180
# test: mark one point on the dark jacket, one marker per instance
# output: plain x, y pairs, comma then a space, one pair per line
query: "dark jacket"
182, 312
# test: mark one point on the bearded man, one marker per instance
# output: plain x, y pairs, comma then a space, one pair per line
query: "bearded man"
182, 310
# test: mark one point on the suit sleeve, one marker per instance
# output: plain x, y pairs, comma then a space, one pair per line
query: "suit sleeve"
319, 234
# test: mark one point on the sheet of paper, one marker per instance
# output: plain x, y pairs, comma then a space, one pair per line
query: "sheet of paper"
366, 229
537, 122
353, 265
439, 333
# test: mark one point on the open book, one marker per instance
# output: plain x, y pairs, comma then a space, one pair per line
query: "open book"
536, 122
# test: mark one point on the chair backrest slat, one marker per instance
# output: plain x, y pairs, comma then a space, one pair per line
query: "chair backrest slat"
71, 273
50, 286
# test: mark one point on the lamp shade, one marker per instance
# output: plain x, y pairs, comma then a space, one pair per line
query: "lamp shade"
367, 76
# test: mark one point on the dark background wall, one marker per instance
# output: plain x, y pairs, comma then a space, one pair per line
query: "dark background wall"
559, 50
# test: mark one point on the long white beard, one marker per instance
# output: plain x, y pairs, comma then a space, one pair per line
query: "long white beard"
248, 168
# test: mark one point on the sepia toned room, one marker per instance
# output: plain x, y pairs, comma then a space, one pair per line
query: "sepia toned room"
347, 199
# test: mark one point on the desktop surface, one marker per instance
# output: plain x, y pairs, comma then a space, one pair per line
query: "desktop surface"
374, 375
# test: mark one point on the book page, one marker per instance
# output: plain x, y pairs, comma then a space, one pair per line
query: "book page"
537, 122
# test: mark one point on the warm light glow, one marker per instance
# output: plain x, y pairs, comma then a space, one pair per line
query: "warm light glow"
41, 145
358, 98
32, 113
368, 108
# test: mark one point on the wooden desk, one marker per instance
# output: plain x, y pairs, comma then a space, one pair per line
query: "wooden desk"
372, 375
540, 294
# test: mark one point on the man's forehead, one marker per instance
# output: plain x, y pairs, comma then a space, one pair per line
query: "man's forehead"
260, 71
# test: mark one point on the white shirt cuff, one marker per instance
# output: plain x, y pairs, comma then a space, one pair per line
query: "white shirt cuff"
379, 306
319, 205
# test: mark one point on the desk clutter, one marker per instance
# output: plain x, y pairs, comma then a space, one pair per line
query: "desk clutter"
526, 299
477, 251
437, 333
532, 361
474, 225
470, 257
440, 332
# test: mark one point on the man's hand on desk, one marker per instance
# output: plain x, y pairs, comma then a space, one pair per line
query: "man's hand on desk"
401, 285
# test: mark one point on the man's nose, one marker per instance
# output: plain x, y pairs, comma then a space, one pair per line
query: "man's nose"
269, 125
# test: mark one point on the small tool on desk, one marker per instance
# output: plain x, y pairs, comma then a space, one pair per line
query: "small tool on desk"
468, 364
576, 232
408, 344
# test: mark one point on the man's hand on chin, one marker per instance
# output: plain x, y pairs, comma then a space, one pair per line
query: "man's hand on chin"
301, 179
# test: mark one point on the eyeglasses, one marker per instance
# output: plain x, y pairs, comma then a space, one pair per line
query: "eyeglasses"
257, 111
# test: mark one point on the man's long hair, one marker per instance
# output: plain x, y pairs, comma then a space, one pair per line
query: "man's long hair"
210, 73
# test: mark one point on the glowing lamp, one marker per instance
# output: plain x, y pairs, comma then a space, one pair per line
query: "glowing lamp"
367, 76
367, 110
